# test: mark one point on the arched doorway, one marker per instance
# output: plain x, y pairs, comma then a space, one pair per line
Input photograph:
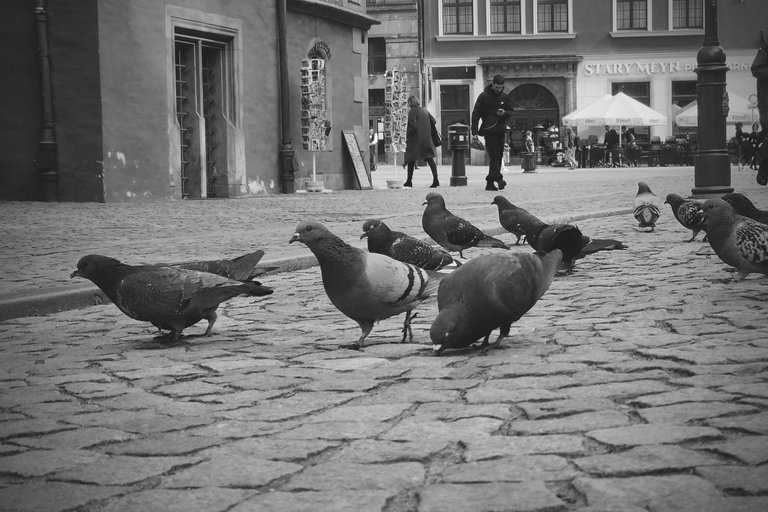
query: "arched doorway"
535, 107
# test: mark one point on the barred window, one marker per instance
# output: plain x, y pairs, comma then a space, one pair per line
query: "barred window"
631, 14
552, 15
641, 91
505, 17
687, 14
457, 16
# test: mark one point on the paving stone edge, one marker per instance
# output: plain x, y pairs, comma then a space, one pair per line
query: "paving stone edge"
62, 298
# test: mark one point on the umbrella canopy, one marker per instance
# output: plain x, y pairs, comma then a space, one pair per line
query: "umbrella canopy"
738, 113
615, 111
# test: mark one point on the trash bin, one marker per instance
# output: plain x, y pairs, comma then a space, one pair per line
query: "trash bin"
529, 162
458, 143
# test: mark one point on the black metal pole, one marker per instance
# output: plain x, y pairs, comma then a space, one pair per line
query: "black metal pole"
45, 159
712, 166
287, 169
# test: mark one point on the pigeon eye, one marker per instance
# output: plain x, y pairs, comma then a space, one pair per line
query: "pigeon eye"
309, 228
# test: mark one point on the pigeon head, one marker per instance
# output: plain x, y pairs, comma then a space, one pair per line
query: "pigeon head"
93, 266
434, 198
643, 188
372, 226
502, 202
673, 200
740, 202
310, 231
446, 331
716, 208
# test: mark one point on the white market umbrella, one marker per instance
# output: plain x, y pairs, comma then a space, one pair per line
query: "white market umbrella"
738, 113
618, 110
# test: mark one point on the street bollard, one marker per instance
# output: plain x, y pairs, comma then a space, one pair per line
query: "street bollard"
458, 143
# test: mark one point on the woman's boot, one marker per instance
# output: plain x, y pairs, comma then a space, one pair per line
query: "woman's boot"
435, 182
410, 177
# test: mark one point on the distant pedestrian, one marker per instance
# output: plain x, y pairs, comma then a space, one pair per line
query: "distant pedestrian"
611, 141
373, 139
492, 110
760, 72
529, 157
418, 140
529, 147
570, 148
755, 140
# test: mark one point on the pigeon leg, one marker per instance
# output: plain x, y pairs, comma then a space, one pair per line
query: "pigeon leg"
461, 254
366, 326
503, 333
741, 274
694, 236
211, 319
439, 350
407, 326
485, 341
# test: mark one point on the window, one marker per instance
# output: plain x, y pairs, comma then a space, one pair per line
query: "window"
641, 91
505, 16
377, 55
457, 16
683, 93
552, 15
687, 14
631, 14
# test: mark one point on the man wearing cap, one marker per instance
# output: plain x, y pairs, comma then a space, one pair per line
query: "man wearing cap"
493, 108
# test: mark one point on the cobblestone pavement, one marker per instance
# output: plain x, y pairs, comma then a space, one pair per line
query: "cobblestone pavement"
637, 383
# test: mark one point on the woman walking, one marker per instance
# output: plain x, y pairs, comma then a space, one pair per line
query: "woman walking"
418, 140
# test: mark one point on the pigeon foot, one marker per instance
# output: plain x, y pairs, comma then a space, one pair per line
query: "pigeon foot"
407, 331
351, 346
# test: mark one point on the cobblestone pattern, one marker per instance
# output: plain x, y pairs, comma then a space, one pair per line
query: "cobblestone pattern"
42, 242
637, 383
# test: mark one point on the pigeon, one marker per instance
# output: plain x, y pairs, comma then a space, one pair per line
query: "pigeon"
545, 237
490, 291
170, 298
511, 217
739, 241
452, 232
402, 247
688, 213
365, 286
243, 268
744, 207
646, 207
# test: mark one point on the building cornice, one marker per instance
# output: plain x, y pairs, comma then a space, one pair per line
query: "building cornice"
533, 65
329, 11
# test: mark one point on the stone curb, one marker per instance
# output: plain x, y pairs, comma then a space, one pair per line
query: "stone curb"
64, 298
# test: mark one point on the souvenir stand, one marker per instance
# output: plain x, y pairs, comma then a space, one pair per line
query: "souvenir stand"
395, 118
315, 122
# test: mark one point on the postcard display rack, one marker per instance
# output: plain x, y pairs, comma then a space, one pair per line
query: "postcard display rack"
395, 116
314, 113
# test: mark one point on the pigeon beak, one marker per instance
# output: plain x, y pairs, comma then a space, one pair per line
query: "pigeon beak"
74, 274
364, 235
424, 203
295, 238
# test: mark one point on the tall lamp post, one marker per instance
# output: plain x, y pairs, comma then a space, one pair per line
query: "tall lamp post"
712, 166
286, 153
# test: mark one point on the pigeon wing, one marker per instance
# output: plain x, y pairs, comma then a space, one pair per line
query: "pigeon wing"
462, 233
751, 241
157, 294
690, 215
412, 250
383, 287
